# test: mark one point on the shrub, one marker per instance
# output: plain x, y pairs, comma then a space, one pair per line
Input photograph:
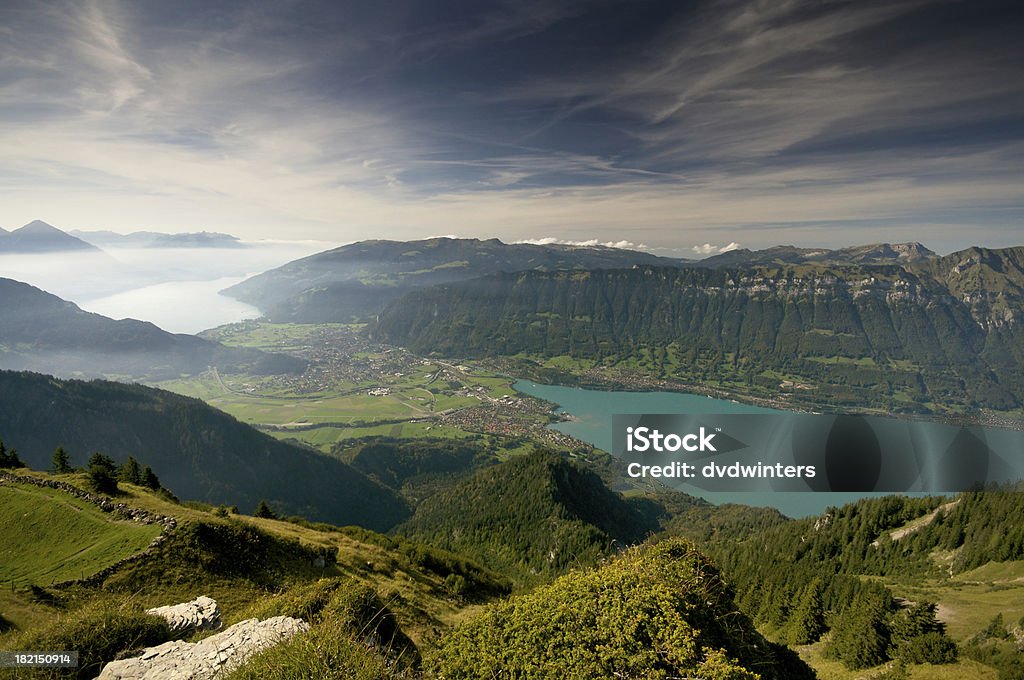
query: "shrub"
324, 653
352, 614
656, 611
934, 648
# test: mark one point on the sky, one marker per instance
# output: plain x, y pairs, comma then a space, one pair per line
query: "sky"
684, 127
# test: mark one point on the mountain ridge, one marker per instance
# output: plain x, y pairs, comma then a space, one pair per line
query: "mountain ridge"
945, 328
39, 237
198, 452
155, 239
46, 333
355, 281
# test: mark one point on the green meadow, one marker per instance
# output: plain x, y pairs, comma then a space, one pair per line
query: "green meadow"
50, 536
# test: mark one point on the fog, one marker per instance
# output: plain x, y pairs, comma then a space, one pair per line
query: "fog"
175, 288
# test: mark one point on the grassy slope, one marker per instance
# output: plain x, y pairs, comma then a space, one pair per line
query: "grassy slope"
50, 536
416, 593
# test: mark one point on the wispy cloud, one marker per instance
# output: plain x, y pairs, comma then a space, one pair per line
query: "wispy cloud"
667, 125
589, 243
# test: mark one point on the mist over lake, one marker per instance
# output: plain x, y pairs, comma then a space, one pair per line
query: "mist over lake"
175, 288
177, 306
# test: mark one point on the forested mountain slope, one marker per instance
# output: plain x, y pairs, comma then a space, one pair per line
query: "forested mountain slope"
197, 451
934, 333
357, 280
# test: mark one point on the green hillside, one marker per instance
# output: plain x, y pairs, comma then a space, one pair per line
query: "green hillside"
348, 582
843, 582
532, 517
197, 451
658, 611
49, 536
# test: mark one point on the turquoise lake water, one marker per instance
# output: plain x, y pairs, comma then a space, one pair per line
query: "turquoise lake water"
592, 412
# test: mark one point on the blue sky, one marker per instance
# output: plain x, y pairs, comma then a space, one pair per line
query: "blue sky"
676, 125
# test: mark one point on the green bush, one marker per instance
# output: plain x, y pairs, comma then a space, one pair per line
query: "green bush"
354, 636
656, 611
325, 653
934, 648
348, 606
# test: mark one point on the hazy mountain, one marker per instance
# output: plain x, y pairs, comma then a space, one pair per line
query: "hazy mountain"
152, 239
875, 253
357, 280
40, 237
44, 333
937, 331
197, 451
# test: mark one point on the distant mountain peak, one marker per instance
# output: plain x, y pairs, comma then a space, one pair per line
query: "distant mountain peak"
38, 227
39, 237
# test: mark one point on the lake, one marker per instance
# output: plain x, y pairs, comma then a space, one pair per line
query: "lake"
592, 412
177, 306
178, 289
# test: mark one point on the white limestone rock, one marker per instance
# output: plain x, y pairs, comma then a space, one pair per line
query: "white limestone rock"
209, 658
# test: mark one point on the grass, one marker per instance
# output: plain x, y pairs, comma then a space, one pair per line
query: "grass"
413, 589
50, 536
99, 631
853, 361
967, 607
830, 669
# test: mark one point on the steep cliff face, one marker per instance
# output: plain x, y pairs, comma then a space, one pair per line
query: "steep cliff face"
356, 281
943, 328
990, 282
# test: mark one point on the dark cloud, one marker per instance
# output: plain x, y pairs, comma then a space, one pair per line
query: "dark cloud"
711, 118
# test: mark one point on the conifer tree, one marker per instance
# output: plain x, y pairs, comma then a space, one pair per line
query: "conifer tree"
264, 510
61, 461
9, 457
807, 623
130, 471
149, 479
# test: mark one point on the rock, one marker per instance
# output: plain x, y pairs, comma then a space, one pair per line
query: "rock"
201, 613
208, 658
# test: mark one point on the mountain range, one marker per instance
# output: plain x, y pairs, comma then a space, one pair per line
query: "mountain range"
874, 253
39, 237
354, 282
153, 239
930, 332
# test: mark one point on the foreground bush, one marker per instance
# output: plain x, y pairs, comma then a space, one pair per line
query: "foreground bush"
657, 611
353, 636
327, 652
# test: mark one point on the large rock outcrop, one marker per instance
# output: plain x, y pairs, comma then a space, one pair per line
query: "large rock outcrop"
208, 658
